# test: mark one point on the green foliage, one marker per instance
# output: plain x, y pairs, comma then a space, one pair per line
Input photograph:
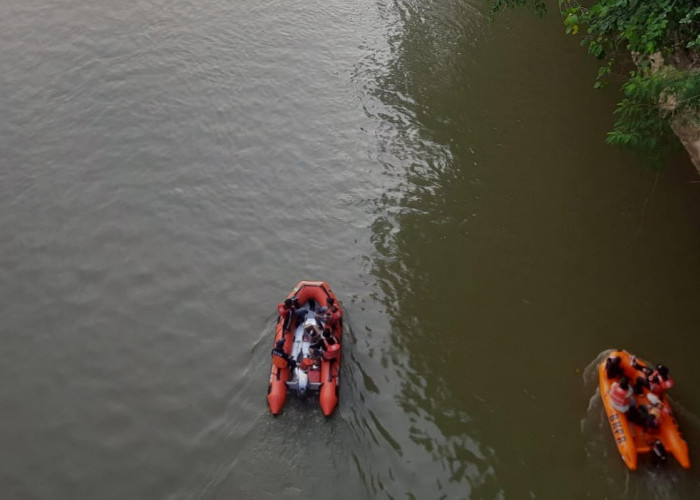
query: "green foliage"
655, 33
650, 102
693, 17
641, 27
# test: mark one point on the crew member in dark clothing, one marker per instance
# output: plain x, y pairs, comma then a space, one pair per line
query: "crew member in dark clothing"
656, 380
621, 395
328, 347
327, 340
285, 310
613, 368
329, 314
660, 380
301, 312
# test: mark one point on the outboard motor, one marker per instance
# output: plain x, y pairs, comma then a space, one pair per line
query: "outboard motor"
303, 380
659, 451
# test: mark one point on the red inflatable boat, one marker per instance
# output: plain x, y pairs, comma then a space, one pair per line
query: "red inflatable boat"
306, 353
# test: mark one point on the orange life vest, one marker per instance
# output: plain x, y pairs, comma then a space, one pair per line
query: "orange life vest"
657, 384
620, 398
279, 359
332, 351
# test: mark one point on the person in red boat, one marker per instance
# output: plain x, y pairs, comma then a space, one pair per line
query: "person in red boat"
286, 309
621, 395
332, 353
329, 314
283, 308
329, 339
327, 346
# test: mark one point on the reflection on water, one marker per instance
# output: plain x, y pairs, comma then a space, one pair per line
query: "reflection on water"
424, 420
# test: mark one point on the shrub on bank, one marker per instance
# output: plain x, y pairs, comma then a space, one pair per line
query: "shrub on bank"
662, 37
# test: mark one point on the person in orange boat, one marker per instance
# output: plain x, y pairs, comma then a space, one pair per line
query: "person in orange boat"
656, 380
621, 395
659, 380
613, 367
655, 410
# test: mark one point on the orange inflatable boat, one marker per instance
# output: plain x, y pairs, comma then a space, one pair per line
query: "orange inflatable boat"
306, 354
632, 437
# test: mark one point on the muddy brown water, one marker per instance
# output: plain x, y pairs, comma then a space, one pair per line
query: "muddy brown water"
170, 170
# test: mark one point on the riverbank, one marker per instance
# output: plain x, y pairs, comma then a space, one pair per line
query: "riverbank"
689, 135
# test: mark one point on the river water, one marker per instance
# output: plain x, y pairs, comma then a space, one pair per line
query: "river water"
169, 171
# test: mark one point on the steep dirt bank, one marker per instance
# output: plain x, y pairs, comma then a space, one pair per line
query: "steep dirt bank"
689, 135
